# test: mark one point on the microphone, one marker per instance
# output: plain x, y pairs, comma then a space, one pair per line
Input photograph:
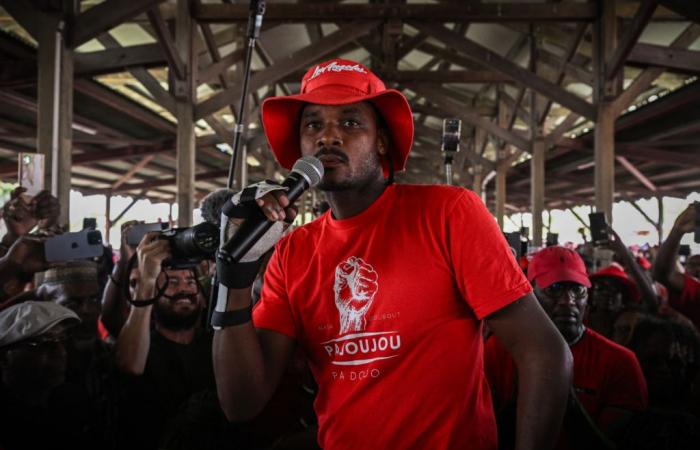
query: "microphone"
306, 172
257, 9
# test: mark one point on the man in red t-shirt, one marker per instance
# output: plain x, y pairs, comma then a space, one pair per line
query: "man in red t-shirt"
684, 288
387, 292
608, 380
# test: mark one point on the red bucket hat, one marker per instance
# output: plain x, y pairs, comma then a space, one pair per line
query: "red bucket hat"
337, 82
616, 272
555, 264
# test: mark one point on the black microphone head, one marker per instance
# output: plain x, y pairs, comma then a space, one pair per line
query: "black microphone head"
309, 167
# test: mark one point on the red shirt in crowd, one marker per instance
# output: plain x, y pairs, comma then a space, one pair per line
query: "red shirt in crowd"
387, 306
688, 302
605, 375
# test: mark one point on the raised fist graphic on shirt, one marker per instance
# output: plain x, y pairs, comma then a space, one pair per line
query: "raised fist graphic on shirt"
355, 287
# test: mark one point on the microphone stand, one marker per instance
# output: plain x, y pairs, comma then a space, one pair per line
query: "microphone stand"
257, 10
449, 156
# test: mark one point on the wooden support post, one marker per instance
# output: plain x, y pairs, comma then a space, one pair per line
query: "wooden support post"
184, 92
477, 179
501, 173
605, 91
660, 223
478, 169
537, 163
502, 168
537, 181
55, 107
108, 214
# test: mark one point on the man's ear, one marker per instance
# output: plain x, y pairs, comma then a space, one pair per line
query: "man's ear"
382, 141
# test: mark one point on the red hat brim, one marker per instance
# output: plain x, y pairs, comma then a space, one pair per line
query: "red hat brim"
281, 115
632, 288
548, 277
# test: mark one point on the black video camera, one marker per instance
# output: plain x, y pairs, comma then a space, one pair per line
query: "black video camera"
451, 134
190, 246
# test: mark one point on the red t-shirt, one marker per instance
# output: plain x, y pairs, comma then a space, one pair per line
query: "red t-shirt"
387, 306
688, 302
605, 375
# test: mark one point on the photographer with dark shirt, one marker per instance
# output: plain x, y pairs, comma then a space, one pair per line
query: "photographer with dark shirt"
170, 361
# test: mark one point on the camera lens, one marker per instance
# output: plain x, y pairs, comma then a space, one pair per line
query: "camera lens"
94, 237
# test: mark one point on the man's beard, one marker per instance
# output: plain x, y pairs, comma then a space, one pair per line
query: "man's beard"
363, 174
169, 319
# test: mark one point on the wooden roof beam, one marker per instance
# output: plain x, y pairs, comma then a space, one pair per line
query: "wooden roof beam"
629, 39
450, 107
503, 65
453, 12
646, 78
299, 60
165, 39
104, 17
669, 58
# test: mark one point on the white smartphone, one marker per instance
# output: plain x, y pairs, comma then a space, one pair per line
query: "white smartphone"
31, 173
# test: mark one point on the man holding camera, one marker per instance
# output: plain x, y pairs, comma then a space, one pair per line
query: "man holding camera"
387, 292
684, 288
172, 361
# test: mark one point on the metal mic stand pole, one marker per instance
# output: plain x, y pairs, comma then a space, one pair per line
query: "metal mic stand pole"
448, 167
257, 10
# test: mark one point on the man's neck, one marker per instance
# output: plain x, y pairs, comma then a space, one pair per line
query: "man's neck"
179, 336
345, 204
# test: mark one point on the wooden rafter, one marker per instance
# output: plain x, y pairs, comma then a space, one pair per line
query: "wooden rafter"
105, 16
501, 64
165, 39
453, 12
669, 58
646, 78
629, 39
448, 106
299, 60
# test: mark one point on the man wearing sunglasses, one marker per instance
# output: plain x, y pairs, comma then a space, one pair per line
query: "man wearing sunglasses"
608, 380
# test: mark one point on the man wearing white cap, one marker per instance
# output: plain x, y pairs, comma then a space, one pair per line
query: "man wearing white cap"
37, 409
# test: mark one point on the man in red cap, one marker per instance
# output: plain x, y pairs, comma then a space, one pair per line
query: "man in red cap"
612, 291
386, 292
608, 380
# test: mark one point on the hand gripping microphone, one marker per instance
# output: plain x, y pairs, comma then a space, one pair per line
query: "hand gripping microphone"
307, 172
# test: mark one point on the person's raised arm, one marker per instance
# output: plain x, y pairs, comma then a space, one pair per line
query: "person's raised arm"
664, 269
113, 298
134, 341
544, 365
632, 267
249, 363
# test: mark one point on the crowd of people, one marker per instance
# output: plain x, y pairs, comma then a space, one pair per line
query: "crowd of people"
117, 352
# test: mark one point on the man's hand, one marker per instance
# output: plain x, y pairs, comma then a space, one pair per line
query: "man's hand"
126, 251
616, 243
46, 209
275, 205
18, 215
151, 254
685, 223
27, 255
